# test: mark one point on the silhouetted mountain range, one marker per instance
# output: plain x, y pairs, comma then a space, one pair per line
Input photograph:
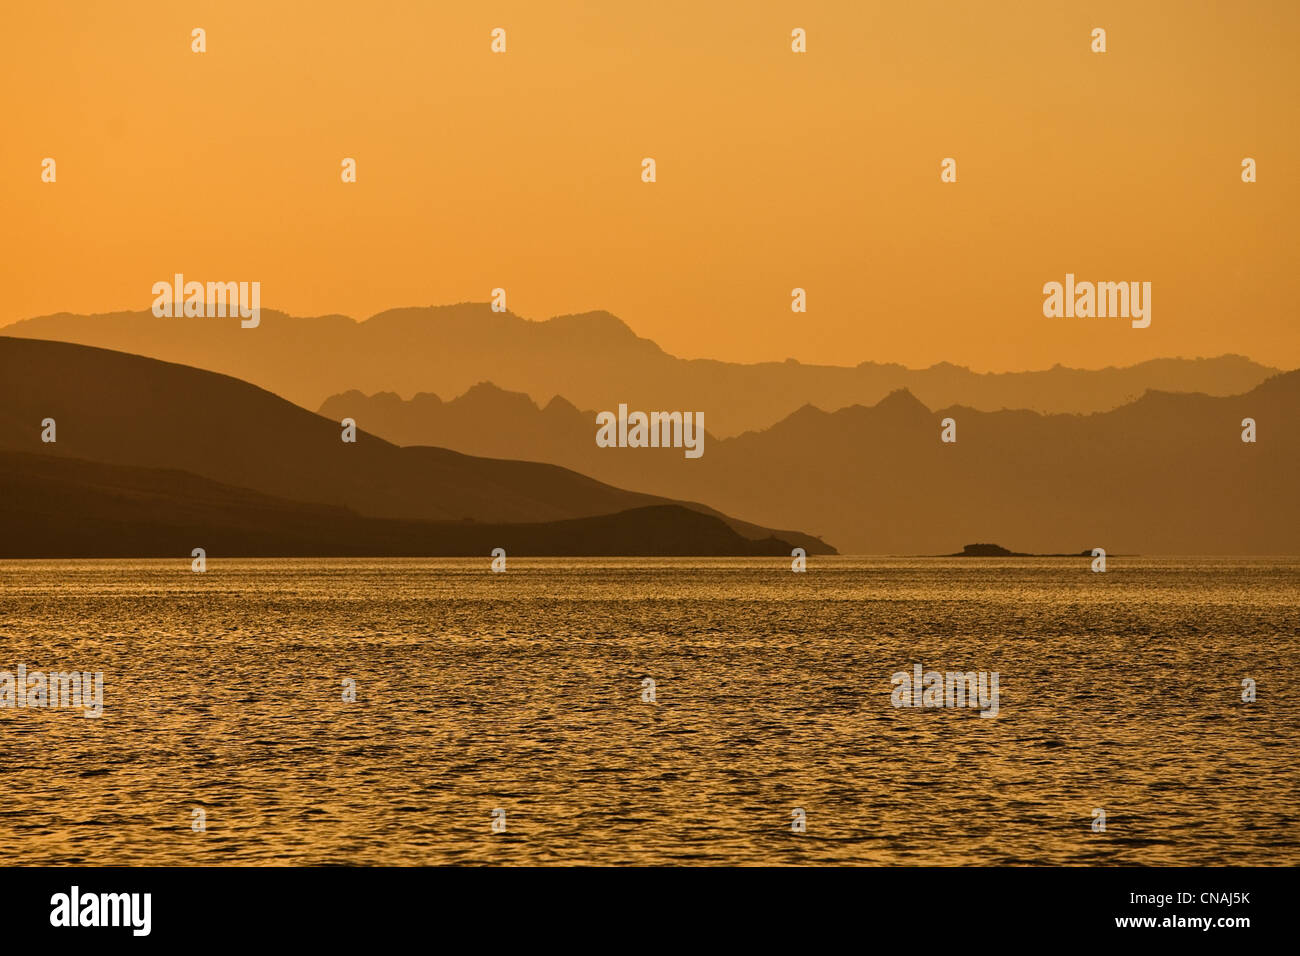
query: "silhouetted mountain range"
119, 409
595, 361
68, 508
1167, 473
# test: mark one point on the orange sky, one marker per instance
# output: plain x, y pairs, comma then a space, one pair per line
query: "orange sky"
775, 170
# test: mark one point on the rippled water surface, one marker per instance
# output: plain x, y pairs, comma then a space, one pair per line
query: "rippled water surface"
522, 691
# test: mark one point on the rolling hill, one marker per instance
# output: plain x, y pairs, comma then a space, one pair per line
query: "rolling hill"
68, 508
127, 410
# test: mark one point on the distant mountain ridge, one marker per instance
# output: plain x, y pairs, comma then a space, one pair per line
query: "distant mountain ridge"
1165, 474
595, 361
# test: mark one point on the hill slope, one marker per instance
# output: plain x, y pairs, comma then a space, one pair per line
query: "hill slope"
127, 410
67, 508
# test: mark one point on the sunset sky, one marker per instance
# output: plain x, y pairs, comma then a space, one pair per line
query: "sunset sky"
775, 169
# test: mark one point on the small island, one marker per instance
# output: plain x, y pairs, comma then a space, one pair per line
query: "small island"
985, 550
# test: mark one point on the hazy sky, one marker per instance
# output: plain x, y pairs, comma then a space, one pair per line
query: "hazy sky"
775, 169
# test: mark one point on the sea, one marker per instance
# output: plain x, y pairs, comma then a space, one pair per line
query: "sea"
423, 712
